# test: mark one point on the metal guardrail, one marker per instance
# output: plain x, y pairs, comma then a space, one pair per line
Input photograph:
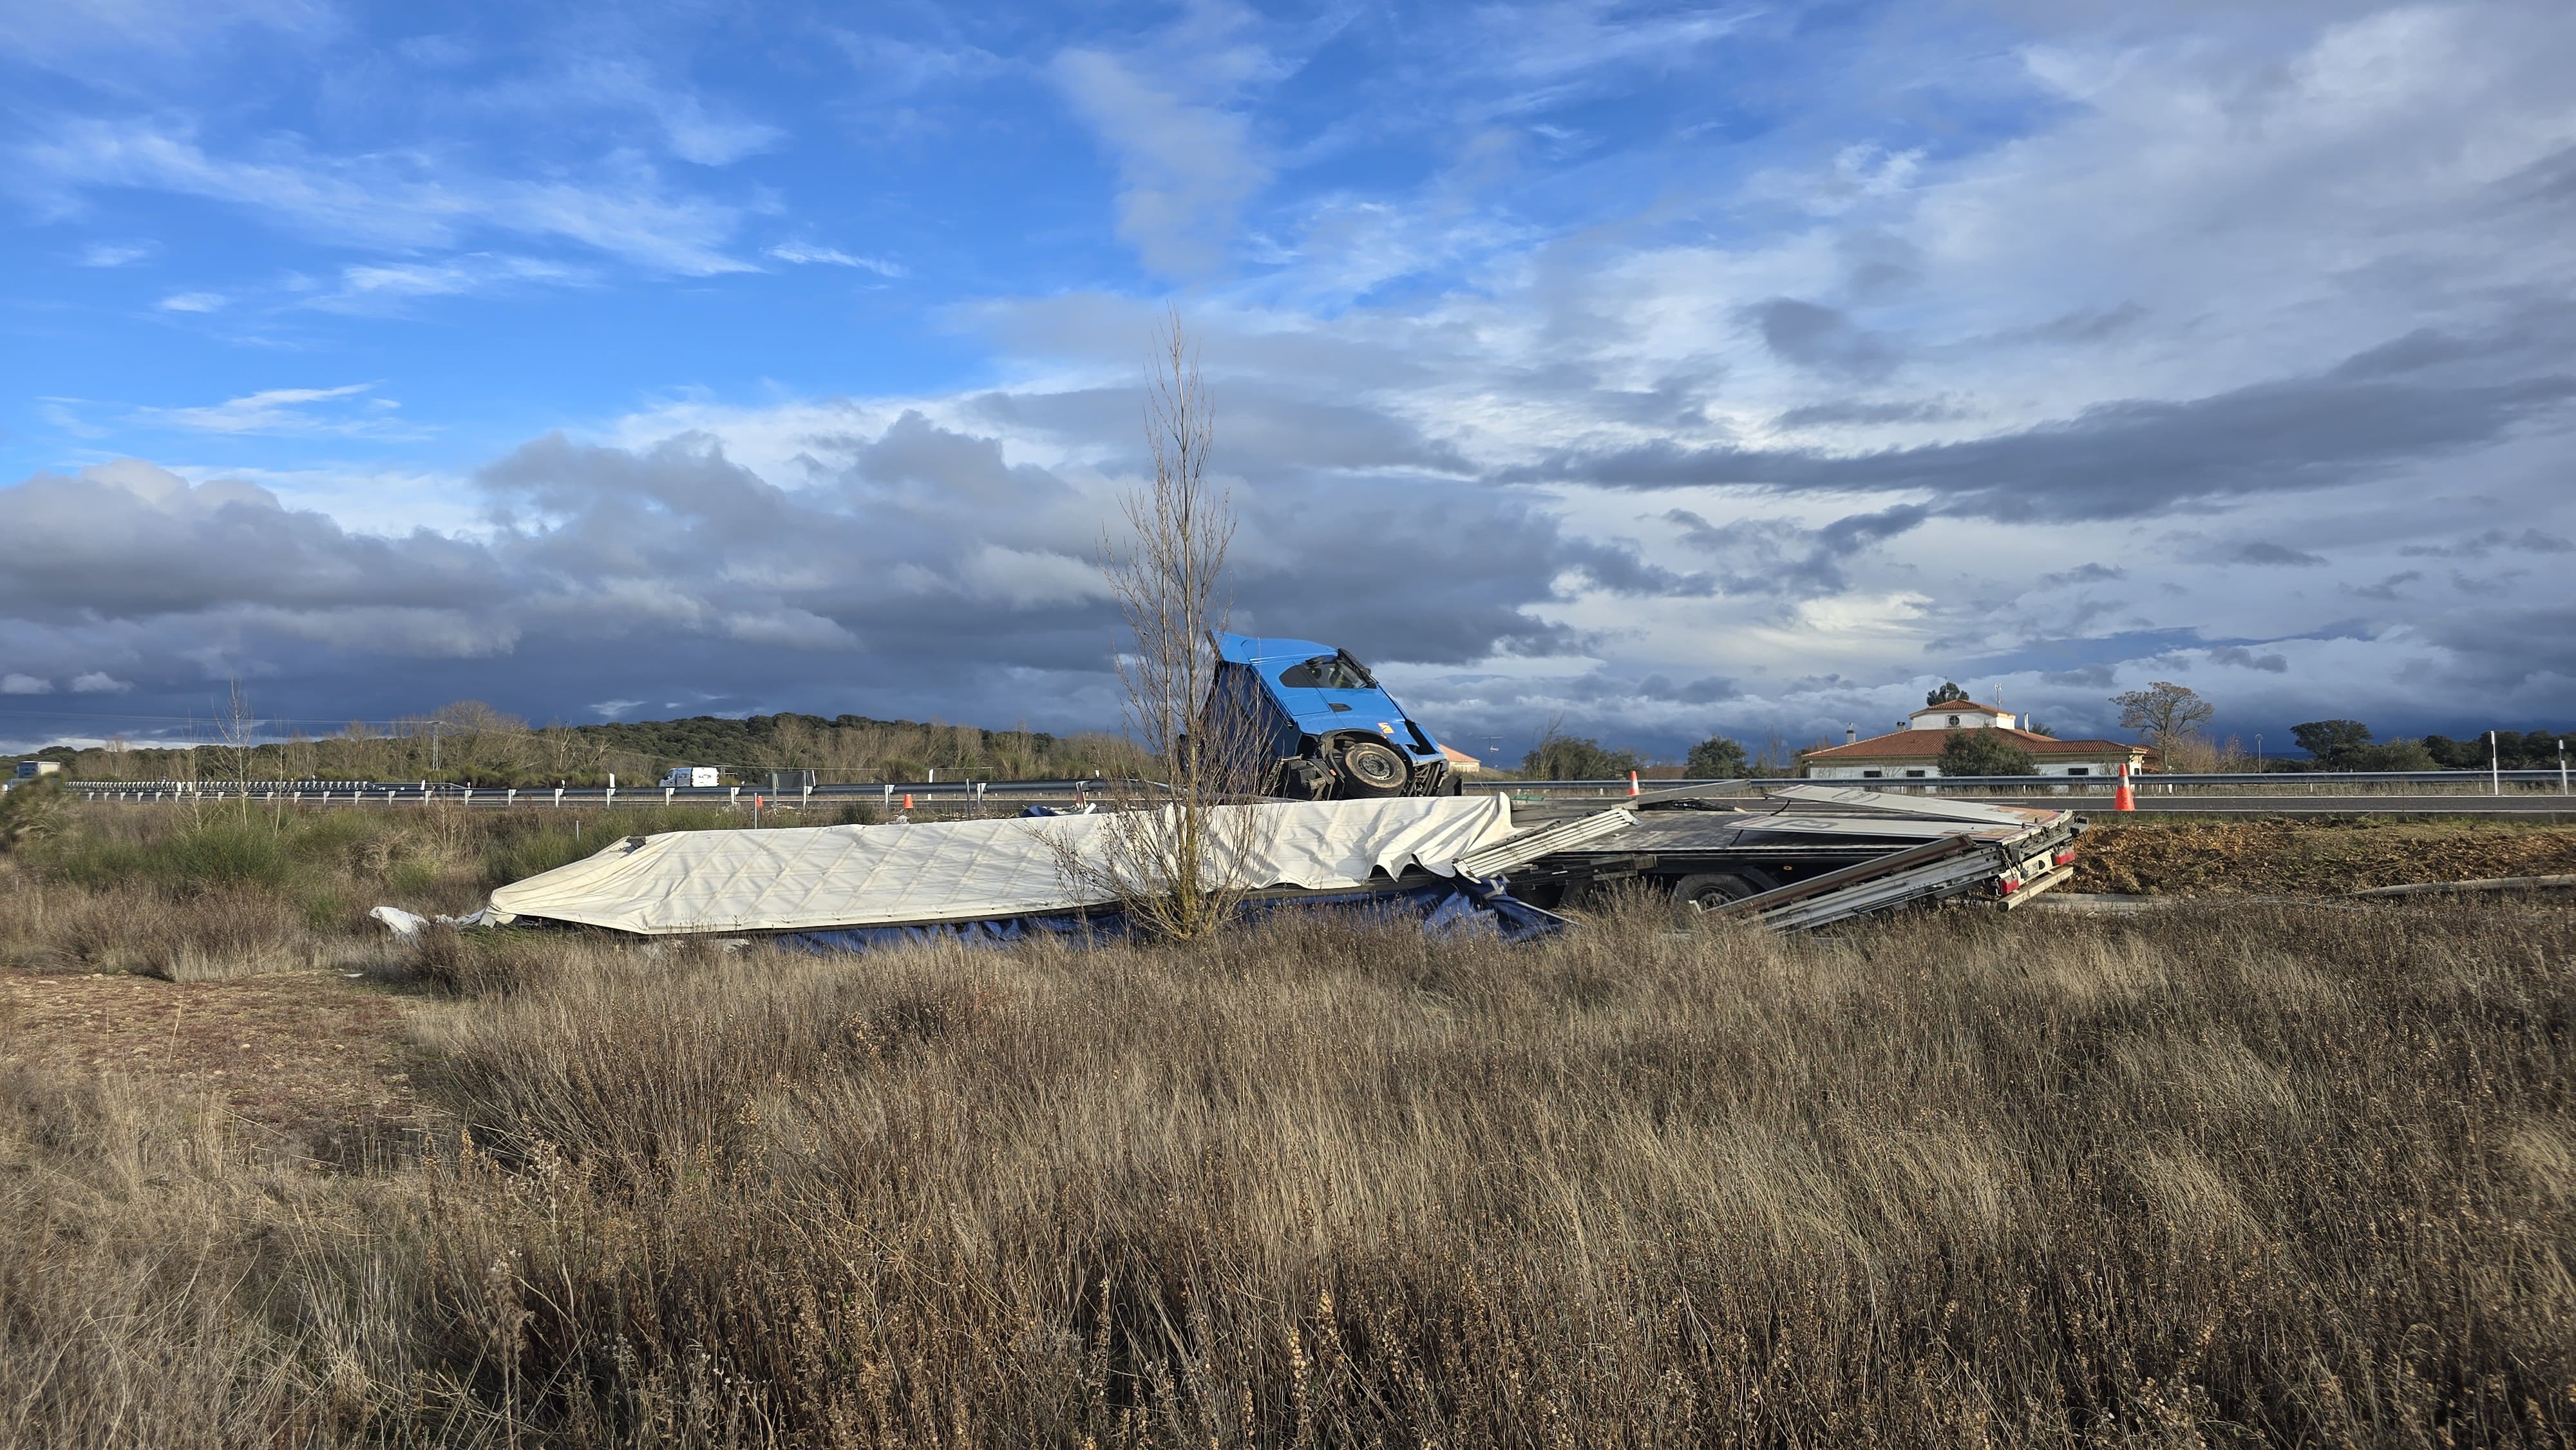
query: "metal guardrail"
951, 793
338, 792
2285, 780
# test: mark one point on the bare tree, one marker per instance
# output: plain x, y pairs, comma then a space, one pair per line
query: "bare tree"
2169, 715
240, 730
1173, 853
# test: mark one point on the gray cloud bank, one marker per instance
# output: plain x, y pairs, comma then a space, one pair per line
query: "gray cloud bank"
909, 570
2423, 397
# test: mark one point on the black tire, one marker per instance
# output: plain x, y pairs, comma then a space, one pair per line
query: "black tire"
1369, 769
1694, 896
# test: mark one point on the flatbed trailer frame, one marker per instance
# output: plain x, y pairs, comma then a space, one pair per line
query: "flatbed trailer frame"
1846, 853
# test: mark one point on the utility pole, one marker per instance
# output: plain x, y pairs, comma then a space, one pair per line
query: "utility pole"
433, 744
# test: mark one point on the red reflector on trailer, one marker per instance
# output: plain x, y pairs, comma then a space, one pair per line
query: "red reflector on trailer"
2063, 857
2008, 886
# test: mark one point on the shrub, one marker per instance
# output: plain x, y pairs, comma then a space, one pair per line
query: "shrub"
1717, 758
1576, 757
1985, 751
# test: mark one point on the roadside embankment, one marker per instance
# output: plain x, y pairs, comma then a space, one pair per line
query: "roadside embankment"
2307, 856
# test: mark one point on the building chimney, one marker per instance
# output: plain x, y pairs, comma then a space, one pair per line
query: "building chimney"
1850, 735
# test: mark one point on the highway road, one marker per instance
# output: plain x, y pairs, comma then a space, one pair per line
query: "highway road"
2527, 801
2522, 805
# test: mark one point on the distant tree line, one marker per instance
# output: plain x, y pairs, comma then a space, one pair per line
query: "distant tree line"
472, 743
2347, 745
1558, 756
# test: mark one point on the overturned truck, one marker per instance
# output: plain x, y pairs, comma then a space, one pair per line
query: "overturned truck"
1311, 723
1793, 858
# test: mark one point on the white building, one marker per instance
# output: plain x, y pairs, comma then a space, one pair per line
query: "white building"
1914, 753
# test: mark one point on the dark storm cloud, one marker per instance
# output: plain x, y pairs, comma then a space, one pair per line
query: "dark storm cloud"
2083, 574
2243, 658
2264, 551
2501, 649
1706, 690
912, 570
1818, 415
2528, 541
2422, 397
2385, 591
1677, 399
129, 542
1820, 338
1781, 559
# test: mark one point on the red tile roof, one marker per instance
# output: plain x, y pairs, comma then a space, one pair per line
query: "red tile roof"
1961, 707
1926, 744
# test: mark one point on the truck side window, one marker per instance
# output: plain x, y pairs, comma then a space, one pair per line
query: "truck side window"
1325, 672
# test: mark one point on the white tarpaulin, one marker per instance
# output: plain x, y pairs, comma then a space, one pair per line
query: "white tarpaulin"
831, 876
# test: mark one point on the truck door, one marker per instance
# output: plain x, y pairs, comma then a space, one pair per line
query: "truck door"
1311, 690
1345, 689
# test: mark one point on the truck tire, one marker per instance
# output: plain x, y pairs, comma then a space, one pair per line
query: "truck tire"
1369, 769
1696, 895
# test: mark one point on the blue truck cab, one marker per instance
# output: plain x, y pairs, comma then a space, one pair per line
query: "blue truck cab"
1318, 724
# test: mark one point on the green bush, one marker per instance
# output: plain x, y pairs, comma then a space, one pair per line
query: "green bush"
1985, 751
1576, 757
1717, 758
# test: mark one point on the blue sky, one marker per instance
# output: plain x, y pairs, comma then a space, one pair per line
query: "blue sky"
1656, 369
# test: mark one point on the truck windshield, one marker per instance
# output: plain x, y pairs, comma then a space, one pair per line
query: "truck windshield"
1327, 672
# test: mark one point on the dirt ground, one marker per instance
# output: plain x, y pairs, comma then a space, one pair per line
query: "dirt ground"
315, 1059
2310, 857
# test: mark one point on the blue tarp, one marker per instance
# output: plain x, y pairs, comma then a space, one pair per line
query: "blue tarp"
1445, 908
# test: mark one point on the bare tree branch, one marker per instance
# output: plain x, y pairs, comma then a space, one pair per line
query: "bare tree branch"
1173, 853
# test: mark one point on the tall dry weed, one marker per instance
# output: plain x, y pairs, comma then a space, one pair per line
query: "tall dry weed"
2256, 1173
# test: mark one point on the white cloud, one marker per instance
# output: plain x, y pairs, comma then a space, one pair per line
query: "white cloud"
194, 302
373, 287
288, 412
402, 199
1186, 166
99, 682
804, 253
17, 684
711, 140
115, 254
105, 37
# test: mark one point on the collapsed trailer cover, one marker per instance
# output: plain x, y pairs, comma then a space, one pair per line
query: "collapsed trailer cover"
682, 882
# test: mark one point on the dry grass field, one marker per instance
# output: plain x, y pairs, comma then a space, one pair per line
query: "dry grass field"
2233, 1172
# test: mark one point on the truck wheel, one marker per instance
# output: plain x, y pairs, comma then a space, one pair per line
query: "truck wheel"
1695, 895
1371, 769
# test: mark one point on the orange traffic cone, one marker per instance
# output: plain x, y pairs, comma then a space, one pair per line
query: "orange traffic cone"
1632, 782
2124, 799
907, 800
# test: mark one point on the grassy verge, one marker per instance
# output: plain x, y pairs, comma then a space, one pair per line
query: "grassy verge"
235, 888
2303, 856
2245, 1173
